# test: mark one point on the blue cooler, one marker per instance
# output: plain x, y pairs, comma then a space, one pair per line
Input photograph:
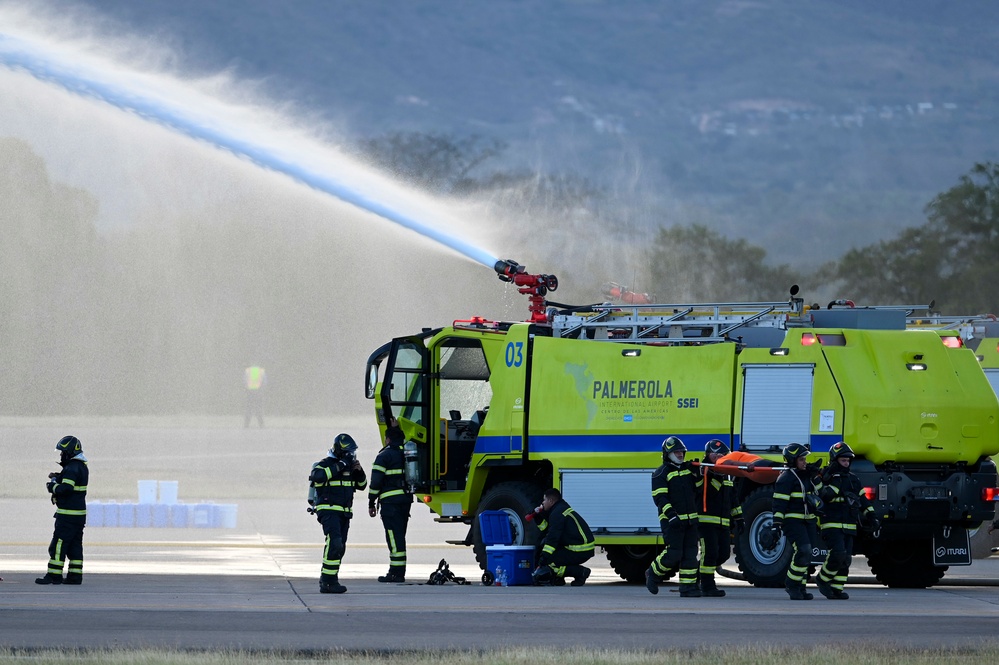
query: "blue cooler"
95, 513
517, 561
161, 515
126, 514
179, 515
110, 513
144, 515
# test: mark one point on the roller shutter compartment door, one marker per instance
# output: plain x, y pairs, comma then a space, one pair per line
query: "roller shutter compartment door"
776, 405
993, 377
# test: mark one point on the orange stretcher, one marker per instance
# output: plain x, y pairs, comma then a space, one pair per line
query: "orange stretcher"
745, 465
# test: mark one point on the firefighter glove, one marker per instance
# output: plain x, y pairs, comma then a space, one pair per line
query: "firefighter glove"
769, 539
738, 525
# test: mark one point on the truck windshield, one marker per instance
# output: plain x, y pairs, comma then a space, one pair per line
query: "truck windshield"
464, 378
405, 377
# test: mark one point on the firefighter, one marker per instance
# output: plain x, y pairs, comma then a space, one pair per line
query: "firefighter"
335, 479
255, 380
718, 513
69, 494
845, 505
388, 492
566, 544
795, 508
674, 490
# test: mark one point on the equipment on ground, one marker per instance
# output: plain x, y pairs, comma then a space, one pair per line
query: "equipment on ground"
443, 575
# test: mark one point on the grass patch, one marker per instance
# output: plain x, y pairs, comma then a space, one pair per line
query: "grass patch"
858, 654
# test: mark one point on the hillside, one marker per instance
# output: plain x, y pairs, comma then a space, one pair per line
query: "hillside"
805, 127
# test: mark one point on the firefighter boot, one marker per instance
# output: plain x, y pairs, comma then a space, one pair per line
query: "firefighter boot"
690, 590
49, 578
73, 578
841, 595
578, 574
393, 577
708, 587
331, 585
651, 582
797, 591
825, 588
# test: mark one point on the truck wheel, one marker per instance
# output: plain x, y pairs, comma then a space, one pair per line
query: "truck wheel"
631, 561
761, 567
906, 564
982, 541
516, 499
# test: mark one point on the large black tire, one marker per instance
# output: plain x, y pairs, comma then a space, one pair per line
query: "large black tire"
906, 564
982, 541
631, 561
761, 567
516, 499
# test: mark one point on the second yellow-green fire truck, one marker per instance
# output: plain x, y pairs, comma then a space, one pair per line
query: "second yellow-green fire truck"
582, 398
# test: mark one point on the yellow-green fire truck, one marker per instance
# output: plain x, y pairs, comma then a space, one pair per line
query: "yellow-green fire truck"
582, 398
980, 333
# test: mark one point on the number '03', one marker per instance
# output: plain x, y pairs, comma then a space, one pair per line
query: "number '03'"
514, 354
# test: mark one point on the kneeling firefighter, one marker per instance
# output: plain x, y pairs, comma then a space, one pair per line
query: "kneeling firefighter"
674, 490
566, 542
335, 479
845, 505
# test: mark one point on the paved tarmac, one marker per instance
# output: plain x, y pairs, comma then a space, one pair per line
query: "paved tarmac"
255, 586
270, 612
212, 588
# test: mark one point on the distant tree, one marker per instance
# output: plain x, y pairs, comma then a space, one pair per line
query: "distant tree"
696, 263
906, 270
966, 217
953, 258
435, 162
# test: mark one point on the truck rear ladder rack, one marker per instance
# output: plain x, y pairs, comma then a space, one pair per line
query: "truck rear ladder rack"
666, 324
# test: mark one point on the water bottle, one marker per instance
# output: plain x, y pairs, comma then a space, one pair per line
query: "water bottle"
497, 580
505, 581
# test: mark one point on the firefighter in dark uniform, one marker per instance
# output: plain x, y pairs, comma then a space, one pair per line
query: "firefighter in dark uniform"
566, 544
69, 494
388, 492
845, 505
795, 508
335, 479
718, 513
674, 490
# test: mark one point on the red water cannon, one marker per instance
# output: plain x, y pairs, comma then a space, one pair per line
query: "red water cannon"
536, 287
623, 294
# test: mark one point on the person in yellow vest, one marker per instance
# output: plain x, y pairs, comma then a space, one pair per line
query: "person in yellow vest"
256, 379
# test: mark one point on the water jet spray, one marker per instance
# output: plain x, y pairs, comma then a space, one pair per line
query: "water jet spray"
159, 100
